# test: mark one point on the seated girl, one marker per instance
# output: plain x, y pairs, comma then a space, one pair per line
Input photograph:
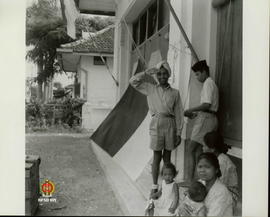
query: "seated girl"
214, 143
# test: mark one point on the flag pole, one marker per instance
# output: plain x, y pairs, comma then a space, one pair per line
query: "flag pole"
182, 30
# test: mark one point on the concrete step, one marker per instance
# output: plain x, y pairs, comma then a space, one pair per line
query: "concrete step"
131, 201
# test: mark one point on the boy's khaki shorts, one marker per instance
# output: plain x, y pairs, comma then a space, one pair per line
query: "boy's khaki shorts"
204, 123
162, 133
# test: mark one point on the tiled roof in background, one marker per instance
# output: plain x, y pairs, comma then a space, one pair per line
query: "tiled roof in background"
98, 42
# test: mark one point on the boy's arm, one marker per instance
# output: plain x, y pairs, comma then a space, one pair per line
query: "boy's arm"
178, 112
175, 199
138, 81
179, 119
202, 107
206, 100
157, 194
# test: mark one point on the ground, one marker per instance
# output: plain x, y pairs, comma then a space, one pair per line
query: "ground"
81, 187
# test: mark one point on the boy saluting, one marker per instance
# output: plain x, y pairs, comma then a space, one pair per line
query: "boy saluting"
166, 109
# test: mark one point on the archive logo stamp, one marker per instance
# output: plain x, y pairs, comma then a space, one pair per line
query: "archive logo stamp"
47, 188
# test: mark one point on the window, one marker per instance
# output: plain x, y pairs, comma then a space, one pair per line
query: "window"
150, 21
98, 60
229, 71
143, 28
136, 33
163, 14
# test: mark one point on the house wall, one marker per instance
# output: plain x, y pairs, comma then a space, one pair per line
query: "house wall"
98, 88
126, 12
199, 20
202, 35
121, 48
122, 59
82, 77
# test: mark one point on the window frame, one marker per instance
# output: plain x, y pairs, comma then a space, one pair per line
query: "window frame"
158, 26
235, 143
99, 62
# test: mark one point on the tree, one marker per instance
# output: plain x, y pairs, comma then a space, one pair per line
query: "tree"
92, 24
45, 30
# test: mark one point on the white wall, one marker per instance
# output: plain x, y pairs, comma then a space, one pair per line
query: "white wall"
122, 6
203, 34
122, 57
204, 31
121, 49
101, 87
82, 78
100, 91
126, 11
93, 116
198, 19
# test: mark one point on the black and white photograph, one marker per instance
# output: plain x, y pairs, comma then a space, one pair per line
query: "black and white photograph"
135, 108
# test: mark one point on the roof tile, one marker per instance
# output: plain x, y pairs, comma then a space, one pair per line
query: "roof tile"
98, 42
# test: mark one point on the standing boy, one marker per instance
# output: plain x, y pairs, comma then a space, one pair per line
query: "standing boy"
166, 109
205, 114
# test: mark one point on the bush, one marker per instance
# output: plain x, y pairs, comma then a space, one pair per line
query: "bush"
73, 111
65, 114
34, 109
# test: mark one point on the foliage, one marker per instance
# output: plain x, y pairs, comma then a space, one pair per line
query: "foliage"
73, 110
61, 113
34, 110
45, 30
33, 92
92, 24
43, 9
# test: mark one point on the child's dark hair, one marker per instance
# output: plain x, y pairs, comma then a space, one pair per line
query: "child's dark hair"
169, 166
162, 67
197, 191
214, 140
213, 160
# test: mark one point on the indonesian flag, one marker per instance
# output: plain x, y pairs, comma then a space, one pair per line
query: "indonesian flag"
70, 14
123, 139
124, 132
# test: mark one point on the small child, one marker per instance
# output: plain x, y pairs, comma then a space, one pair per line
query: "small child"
165, 201
214, 143
192, 204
